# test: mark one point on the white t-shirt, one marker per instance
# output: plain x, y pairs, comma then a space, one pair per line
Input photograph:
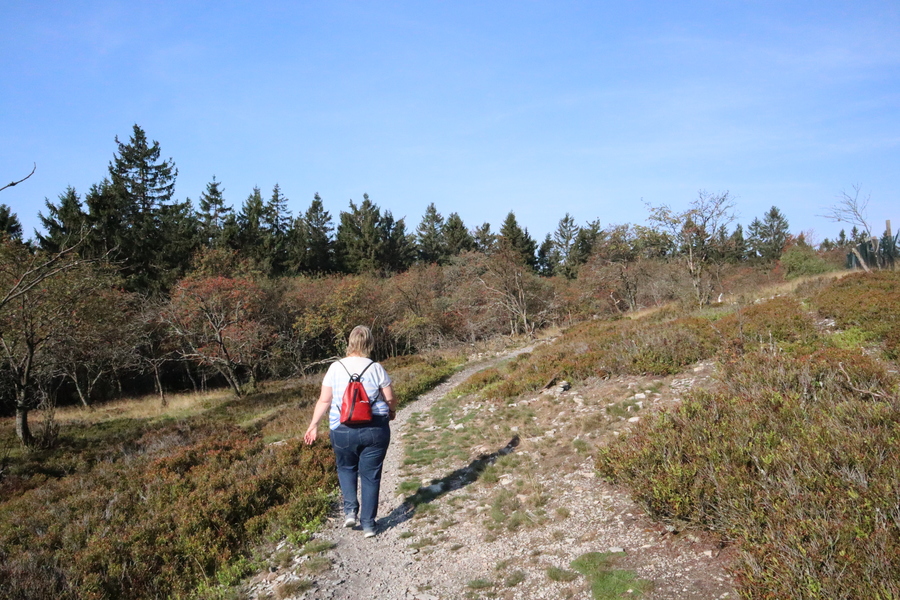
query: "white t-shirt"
373, 380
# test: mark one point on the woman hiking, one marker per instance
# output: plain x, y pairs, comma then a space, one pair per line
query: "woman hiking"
359, 448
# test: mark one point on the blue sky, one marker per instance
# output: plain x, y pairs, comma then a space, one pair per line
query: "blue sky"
544, 108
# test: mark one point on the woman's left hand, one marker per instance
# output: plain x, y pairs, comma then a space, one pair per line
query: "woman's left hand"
311, 435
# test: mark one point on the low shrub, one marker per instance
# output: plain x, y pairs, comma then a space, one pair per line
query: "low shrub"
803, 261
414, 377
601, 349
157, 527
781, 321
868, 301
790, 459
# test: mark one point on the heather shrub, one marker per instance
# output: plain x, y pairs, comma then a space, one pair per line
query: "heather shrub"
478, 381
781, 321
152, 527
415, 375
604, 348
789, 459
869, 301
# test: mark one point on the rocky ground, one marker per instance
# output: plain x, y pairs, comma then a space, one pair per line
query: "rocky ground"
507, 498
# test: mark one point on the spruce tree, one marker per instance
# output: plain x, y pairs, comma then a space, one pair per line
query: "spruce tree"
10, 226
276, 222
430, 242
456, 237
737, 246
517, 240
64, 223
485, 241
368, 241
311, 248
250, 229
548, 257
212, 214
768, 237
585, 241
563, 242
132, 216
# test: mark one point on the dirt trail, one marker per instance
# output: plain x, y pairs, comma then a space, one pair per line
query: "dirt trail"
448, 552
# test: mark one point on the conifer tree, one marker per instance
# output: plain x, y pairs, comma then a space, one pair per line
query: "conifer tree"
312, 248
250, 227
517, 240
737, 245
276, 222
213, 213
431, 245
548, 257
456, 237
63, 223
132, 215
10, 226
585, 240
767, 237
485, 241
563, 243
368, 241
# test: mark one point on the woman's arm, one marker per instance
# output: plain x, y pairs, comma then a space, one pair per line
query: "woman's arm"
322, 407
388, 393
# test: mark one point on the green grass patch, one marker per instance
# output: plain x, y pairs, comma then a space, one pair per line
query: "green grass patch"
608, 583
317, 547
560, 575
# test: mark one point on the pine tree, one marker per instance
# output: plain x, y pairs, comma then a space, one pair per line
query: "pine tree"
431, 245
768, 237
737, 246
276, 223
132, 215
517, 240
584, 243
548, 257
485, 241
10, 226
456, 236
368, 241
312, 249
250, 228
64, 223
213, 213
563, 243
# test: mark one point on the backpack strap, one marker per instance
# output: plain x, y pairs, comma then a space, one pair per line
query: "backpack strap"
358, 377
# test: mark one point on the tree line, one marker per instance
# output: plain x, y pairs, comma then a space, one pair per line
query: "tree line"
128, 287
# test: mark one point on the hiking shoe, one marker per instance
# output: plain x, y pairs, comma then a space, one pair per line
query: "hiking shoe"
349, 521
369, 533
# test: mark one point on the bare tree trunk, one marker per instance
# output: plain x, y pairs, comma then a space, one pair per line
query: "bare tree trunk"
187, 367
22, 430
159, 386
81, 396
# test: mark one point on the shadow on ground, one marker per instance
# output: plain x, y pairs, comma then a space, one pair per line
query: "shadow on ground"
454, 481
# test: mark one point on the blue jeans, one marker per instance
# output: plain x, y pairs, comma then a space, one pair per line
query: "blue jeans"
359, 452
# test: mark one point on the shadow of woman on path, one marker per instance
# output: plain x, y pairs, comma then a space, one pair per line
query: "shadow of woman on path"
454, 481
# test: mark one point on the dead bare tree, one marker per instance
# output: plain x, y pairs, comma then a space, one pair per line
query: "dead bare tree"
15, 183
851, 209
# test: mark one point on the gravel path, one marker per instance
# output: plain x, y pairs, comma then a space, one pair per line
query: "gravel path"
450, 554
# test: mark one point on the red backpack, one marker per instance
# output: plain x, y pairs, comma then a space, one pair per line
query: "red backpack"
356, 408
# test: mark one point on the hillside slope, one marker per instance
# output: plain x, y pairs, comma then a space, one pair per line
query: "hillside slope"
509, 498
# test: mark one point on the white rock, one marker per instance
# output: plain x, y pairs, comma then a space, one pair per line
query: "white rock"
634, 419
640, 396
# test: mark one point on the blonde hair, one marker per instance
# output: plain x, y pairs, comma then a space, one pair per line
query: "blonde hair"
360, 341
